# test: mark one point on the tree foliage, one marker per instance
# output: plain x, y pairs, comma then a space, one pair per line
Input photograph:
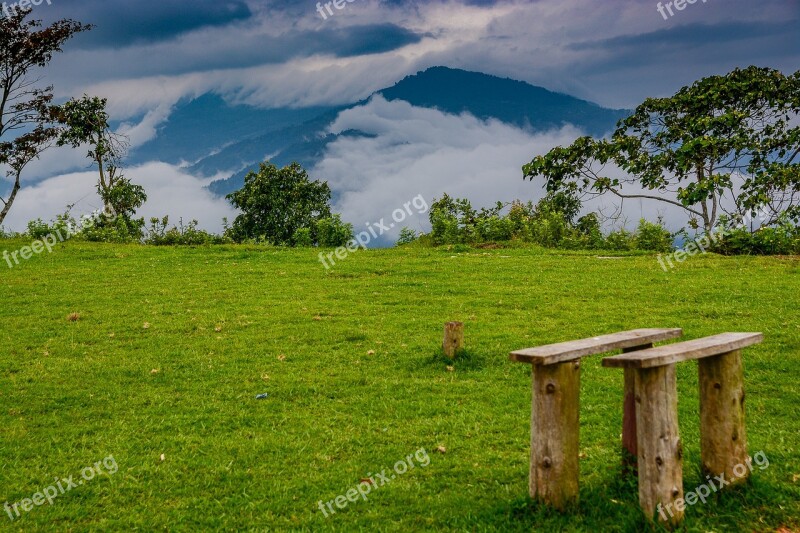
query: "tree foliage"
550, 223
277, 202
27, 118
85, 122
724, 145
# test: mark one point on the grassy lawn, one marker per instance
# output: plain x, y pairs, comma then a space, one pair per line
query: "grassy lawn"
162, 368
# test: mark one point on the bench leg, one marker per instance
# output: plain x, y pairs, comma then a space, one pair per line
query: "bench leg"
629, 451
723, 442
555, 434
659, 445
629, 445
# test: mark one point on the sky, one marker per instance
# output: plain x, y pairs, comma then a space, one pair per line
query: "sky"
146, 56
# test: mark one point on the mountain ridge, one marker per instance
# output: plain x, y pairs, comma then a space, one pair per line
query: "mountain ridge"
288, 135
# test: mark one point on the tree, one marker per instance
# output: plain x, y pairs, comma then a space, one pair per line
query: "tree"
725, 145
275, 203
27, 125
86, 122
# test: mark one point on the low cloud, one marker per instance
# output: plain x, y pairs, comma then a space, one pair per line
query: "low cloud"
170, 191
412, 151
416, 151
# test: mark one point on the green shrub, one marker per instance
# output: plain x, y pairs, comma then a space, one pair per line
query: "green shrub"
303, 238
620, 240
453, 221
549, 229
781, 239
407, 236
589, 229
495, 229
276, 202
653, 237
520, 217
189, 235
564, 203
114, 230
331, 232
38, 229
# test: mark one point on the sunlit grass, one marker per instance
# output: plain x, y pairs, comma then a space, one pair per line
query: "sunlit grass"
141, 351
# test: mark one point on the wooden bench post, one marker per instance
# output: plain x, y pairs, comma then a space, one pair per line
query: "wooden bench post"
722, 415
660, 461
555, 427
630, 452
723, 440
555, 409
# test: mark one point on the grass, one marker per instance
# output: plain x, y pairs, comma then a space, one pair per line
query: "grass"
139, 352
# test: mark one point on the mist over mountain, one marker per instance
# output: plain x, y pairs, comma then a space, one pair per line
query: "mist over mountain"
212, 137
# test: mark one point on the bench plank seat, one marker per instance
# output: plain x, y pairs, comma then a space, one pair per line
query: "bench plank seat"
684, 351
569, 351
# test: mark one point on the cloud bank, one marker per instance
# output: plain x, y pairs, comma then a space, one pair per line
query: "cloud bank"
170, 192
413, 151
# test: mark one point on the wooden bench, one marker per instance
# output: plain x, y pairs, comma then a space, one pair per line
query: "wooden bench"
555, 409
723, 439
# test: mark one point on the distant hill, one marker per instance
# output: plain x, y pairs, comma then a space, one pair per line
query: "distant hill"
216, 137
200, 127
513, 102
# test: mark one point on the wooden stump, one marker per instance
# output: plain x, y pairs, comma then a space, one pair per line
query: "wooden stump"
453, 342
723, 441
659, 445
555, 434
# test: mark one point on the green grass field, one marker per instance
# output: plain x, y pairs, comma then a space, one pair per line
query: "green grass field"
172, 345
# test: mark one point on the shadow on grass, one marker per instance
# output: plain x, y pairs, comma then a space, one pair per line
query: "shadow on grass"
466, 360
614, 506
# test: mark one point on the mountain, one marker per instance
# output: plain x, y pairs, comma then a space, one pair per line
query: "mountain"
203, 126
513, 102
218, 137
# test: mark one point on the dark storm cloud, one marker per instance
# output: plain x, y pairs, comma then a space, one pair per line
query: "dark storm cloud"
124, 22
631, 50
614, 52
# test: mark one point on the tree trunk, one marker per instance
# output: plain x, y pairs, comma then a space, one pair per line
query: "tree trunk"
7, 206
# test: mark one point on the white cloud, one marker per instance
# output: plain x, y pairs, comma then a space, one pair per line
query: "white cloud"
423, 151
147, 129
170, 192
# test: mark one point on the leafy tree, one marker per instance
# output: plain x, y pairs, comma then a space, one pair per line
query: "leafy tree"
452, 220
86, 122
590, 232
275, 203
332, 232
27, 125
564, 203
726, 144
